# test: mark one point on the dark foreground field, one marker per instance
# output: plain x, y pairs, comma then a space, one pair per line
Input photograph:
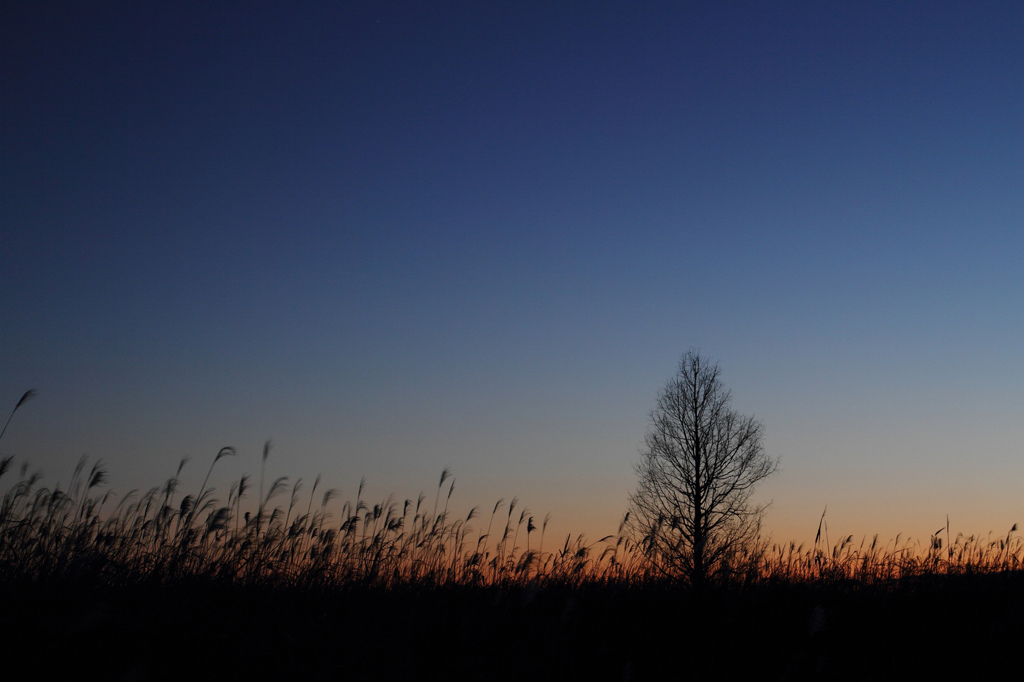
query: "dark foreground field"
934, 627
164, 586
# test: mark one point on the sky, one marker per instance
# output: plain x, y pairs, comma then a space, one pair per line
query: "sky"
399, 237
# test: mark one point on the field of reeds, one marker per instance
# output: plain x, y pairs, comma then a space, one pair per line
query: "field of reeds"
279, 580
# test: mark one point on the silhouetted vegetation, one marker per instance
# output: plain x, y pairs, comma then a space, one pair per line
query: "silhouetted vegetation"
275, 584
698, 469
287, 537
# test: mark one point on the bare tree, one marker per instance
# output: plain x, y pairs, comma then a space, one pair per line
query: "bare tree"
700, 462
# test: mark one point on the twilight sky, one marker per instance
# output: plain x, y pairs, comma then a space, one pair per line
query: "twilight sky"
395, 237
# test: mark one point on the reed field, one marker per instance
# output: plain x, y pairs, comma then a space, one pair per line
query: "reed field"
277, 579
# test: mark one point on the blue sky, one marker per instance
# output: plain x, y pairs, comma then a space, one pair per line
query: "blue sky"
397, 237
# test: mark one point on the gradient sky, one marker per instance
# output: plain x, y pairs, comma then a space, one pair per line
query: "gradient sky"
395, 237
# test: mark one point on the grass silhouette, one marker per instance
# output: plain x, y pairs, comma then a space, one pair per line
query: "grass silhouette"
291, 538
168, 583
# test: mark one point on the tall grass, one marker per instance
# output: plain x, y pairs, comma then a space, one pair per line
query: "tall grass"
284, 536
288, 536
899, 558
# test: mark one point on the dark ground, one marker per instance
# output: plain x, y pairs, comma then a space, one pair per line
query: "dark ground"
962, 627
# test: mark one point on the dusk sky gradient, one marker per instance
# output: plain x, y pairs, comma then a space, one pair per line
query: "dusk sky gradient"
398, 237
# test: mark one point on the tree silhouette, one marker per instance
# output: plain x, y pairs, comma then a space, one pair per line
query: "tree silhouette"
699, 465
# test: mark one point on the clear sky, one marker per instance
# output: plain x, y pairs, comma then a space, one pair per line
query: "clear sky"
395, 237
